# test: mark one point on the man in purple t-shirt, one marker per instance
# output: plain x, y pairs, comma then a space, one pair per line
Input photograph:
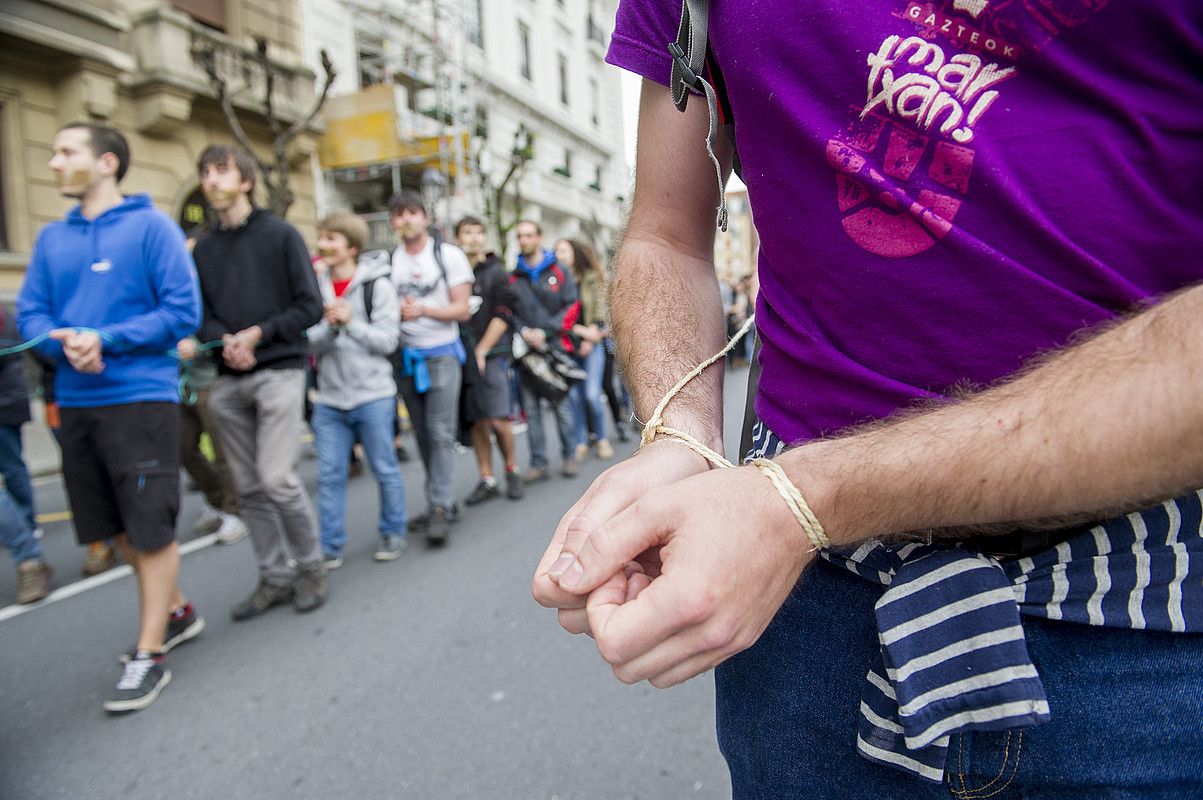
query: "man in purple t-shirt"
944, 191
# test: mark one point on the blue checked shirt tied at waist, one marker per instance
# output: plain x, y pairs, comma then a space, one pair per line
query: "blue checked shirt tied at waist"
953, 656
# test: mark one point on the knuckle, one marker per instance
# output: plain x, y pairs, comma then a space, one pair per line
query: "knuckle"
697, 610
625, 674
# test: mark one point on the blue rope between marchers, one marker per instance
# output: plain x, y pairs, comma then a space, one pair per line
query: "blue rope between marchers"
187, 393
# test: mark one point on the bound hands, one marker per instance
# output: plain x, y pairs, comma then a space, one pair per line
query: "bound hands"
238, 349
337, 313
81, 349
672, 567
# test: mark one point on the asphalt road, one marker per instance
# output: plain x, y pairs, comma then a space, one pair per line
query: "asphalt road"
435, 676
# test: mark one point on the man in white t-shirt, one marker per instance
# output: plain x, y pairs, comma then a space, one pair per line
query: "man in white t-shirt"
434, 300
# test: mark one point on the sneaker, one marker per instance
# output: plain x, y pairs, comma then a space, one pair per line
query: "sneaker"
536, 475
141, 681
209, 521
232, 530
520, 427
582, 452
485, 490
571, 468
391, 548
183, 624
264, 597
402, 454
331, 561
309, 587
623, 435
514, 488
440, 526
99, 558
605, 450
33, 581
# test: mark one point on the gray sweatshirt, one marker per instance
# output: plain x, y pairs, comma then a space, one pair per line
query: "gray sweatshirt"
353, 364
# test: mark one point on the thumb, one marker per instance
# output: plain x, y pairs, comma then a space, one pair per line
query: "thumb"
609, 547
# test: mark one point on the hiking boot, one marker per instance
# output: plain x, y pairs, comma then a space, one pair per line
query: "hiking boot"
99, 558
571, 468
264, 597
391, 548
141, 681
209, 521
332, 561
514, 488
232, 531
621, 428
536, 475
183, 624
440, 526
33, 581
485, 490
605, 450
309, 587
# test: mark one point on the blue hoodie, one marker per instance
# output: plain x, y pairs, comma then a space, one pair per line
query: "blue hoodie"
535, 271
126, 273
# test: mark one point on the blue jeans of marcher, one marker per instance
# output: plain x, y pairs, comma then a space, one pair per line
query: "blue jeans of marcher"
435, 417
16, 475
589, 402
335, 431
566, 416
1127, 711
15, 534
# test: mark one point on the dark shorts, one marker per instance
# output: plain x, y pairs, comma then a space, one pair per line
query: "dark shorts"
121, 467
494, 394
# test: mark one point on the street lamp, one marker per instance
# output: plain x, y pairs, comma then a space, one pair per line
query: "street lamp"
434, 187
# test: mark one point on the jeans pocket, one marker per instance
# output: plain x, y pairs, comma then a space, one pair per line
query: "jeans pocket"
984, 765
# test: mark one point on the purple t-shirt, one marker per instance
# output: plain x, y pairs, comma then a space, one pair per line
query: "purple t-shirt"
943, 190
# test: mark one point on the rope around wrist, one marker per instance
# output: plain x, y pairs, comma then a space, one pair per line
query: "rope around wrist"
772, 470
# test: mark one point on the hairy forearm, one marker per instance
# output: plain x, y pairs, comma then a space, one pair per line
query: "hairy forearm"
667, 318
1108, 425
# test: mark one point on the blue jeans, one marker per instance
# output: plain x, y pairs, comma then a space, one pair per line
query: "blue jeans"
16, 475
435, 417
335, 431
1127, 711
565, 422
15, 534
589, 403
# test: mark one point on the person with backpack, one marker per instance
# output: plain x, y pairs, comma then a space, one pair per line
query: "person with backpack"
965, 553
433, 280
356, 395
546, 309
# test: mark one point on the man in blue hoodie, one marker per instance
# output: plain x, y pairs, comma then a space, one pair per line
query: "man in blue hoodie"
108, 292
546, 308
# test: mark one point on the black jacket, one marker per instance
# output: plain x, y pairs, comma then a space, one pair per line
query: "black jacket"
497, 298
14, 394
259, 274
549, 303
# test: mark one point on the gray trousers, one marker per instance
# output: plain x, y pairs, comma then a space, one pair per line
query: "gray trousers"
435, 417
259, 418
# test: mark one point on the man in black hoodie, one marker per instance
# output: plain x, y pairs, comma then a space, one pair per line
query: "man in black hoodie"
260, 295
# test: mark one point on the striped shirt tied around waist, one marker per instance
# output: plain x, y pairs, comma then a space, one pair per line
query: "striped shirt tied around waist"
953, 656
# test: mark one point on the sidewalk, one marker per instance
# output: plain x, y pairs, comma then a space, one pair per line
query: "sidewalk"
41, 451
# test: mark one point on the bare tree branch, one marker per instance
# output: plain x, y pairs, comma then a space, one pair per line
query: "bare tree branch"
301, 125
269, 84
207, 58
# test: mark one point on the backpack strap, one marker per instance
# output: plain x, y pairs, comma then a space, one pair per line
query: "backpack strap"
689, 58
369, 289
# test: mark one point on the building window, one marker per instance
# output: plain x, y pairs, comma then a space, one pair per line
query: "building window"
596, 185
369, 52
566, 169
524, 50
594, 102
475, 15
3, 183
563, 61
209, 12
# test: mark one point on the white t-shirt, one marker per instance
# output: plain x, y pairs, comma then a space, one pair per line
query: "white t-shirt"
419, 277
